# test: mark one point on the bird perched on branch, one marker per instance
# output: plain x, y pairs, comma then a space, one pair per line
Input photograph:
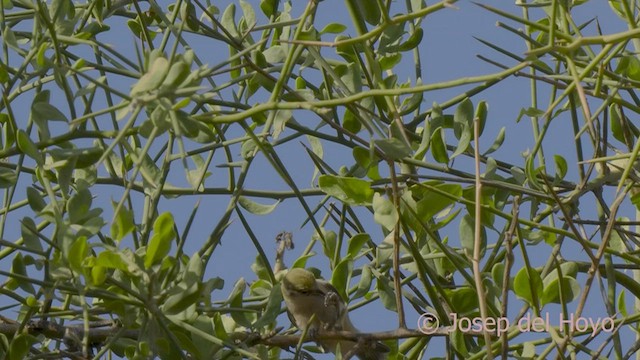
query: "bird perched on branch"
315, 306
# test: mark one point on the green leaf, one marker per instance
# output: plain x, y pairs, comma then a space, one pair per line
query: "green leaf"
532, 173
112, 259
29, 232
317, 150
386, 293
518, 175
425, 142
355, 244
629, 66
431, 202
486, 200
8, 178
188, 16
369, 11
347, 189
268, 7
329, 241
497, 142
300, 82
135, 28
394, 148
467, 235
351, 76
348, 52
122, 222
438, 147
64, 174
236, 71
364, 285
528, 351
256, 208
28, 147
569, 292
622, 129
228, 19
350, 122
463, 118
197, 176
481, 113
92, 29
78, 206
617, 7
622, 304
187, 291
195, 130
4, 74
561, 166
635, 200
531, 112
92, 224
411, 103
178, 72
389, 60
367, 160
616, 124
568, 268
333, 28
81, 158
459, 344
9, 38
78, 251
536, 236
248, 13
616, 242
391, 38
43, 111
276, 54
272, 310
413, 41
153, 78
248, 149
98, 275
18, 267
490, 169
20, 346
280, 121
526, 283
235, 300
160, 243
301, 262
340, 276
149, 170
497, 273
463, 142
260, 268
7, 131
384, 213
464, 300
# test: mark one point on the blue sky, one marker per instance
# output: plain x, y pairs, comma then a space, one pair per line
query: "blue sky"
448, 52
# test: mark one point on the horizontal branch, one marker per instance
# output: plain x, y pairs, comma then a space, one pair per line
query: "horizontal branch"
285, 341
71, 334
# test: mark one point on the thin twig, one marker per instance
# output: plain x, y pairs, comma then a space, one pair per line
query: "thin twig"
508, 238
477, 245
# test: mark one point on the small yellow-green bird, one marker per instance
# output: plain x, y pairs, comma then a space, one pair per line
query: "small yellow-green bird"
316, 305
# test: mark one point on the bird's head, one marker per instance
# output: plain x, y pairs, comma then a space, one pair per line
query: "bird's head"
300, 280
